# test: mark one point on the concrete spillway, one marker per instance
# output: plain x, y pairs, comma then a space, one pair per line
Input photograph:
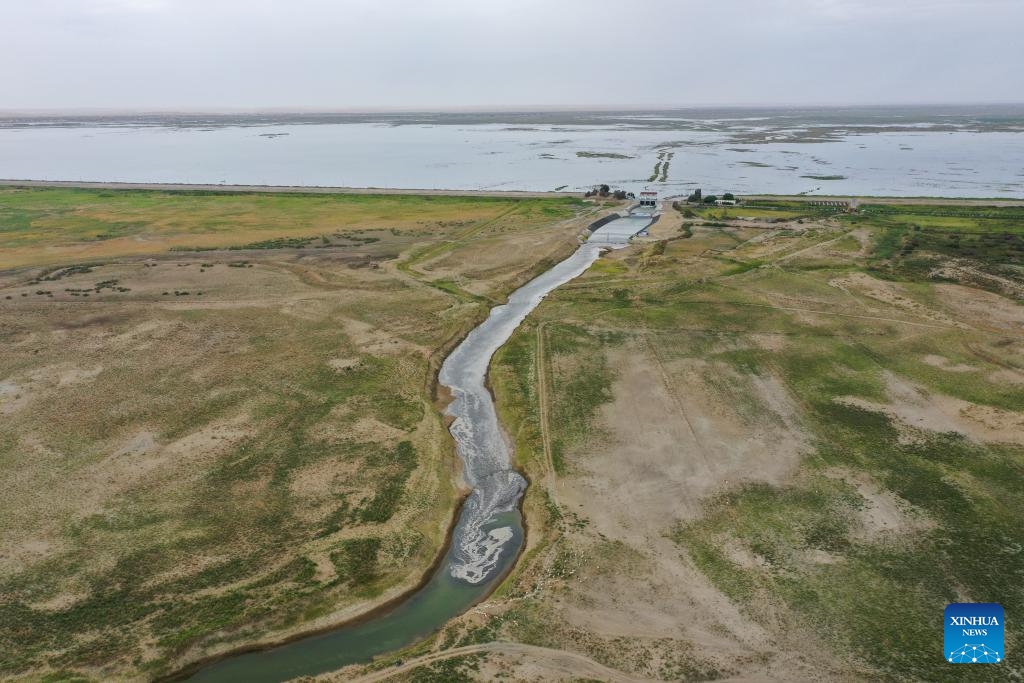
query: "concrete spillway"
619, 232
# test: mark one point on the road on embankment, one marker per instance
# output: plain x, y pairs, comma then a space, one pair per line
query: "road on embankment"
908, 201
296, 189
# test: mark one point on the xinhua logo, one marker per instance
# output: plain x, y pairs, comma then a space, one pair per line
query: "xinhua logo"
974, 633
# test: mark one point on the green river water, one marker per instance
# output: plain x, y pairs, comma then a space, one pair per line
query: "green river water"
442, 598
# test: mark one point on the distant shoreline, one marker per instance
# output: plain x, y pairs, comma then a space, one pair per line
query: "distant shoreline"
524, 194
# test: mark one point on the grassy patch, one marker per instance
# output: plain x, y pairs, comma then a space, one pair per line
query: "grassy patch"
39, 226
582, 380
513, 378
356, 560
992, 235
385, 500
740, 267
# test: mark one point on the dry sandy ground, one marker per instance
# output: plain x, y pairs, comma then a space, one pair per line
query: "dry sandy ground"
915, 408
673, 440
676, 438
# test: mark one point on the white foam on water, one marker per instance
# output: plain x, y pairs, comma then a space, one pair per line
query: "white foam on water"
484, 549
479, 442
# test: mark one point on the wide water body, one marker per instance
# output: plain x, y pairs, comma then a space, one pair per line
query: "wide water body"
489, 532
890, 152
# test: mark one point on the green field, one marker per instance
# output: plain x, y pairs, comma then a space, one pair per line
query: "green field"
60, 225
991, 235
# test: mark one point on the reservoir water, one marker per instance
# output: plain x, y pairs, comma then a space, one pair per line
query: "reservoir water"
489, 532
959, 152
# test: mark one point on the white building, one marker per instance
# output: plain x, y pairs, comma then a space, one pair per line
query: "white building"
648, 199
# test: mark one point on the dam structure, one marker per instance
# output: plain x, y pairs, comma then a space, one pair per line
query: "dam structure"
619, 232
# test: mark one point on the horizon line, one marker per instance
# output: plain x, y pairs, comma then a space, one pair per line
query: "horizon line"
478, 109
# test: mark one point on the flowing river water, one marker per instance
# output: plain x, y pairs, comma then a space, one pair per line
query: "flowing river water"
489, 532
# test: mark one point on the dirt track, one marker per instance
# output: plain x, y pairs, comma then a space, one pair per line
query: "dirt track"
561, 662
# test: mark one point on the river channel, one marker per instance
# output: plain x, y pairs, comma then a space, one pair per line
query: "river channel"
489, 533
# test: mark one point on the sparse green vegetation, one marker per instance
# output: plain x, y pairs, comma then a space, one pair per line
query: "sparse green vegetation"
77, 225
850, 600
279, 243
452, 670
515, 373
582, 388
903, 387
191, 475
356, 560
994, 236
385, 500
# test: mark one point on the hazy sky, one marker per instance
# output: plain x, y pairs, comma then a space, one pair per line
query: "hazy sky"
336, 54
